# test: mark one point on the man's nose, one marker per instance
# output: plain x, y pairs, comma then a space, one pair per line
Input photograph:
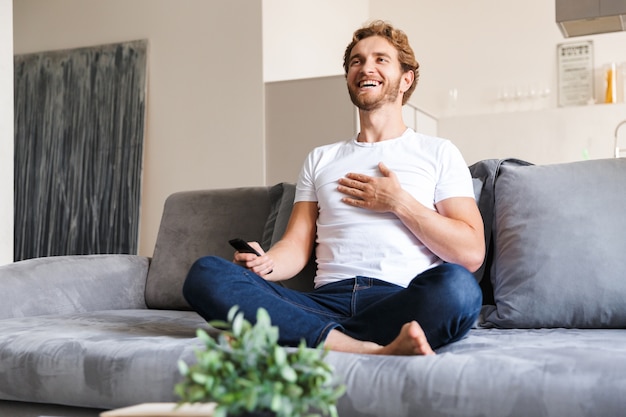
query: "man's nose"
368, 67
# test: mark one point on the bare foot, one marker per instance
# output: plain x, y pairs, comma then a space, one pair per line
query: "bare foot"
410, 341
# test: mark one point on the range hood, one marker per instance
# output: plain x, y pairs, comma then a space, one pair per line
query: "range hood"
590, 17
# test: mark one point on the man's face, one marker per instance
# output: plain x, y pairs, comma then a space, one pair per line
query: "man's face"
374, 74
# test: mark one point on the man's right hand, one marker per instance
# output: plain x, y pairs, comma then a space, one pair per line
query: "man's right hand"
261, 265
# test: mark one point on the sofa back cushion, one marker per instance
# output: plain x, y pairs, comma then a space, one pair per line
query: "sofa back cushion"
484, 174
282, 197
199, 223
560, 242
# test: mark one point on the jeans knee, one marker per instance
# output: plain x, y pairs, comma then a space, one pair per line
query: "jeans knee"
200, 274
466, 285
458, 287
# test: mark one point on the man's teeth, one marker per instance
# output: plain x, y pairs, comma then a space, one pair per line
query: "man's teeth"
369, 83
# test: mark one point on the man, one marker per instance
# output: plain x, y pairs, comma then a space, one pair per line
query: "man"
395, 221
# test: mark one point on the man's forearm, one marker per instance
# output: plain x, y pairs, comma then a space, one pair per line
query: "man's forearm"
453, 239
289, 259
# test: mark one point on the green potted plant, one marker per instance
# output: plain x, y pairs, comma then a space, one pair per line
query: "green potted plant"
245, 372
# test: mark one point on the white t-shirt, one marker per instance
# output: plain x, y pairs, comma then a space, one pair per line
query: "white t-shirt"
353, 241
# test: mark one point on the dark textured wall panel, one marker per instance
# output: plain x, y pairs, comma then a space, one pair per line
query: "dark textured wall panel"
79, 126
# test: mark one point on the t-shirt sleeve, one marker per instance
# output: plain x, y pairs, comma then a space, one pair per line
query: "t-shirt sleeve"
305, 187
455, 179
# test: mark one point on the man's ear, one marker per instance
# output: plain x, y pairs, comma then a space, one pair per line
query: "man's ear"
408, 78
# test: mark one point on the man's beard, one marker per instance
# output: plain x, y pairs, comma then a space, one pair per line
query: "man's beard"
367, 102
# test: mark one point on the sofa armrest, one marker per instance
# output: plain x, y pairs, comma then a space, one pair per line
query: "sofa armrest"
70, 284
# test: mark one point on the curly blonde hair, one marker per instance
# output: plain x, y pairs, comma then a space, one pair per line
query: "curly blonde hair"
398, 39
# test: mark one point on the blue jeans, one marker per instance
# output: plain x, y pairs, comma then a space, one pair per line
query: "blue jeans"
444, 300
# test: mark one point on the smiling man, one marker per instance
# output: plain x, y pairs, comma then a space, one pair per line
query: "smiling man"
391, 216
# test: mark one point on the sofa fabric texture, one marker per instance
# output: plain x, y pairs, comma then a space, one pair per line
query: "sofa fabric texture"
189, 230
70, 284
103, 359
561, 246
106, 331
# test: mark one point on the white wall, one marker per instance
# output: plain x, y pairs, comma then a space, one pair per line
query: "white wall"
305, 39
479, 47
205, 85
294, 126
542, 137
6, 131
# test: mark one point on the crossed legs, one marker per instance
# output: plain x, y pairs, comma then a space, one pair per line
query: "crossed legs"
361, 315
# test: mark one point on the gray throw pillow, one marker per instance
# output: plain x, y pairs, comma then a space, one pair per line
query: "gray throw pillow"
477, 183
560, 246
281, 199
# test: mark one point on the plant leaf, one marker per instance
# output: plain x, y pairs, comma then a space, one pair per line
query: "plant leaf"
280, 355
244, 368
183, 368
231, 313
237, 325
288, 373
263, 317
203, 335
220, 412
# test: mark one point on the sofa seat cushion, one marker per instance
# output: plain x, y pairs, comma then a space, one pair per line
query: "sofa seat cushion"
113, 359
493, 372
102, 359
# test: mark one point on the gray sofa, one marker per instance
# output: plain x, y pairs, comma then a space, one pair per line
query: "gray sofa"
80, 334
